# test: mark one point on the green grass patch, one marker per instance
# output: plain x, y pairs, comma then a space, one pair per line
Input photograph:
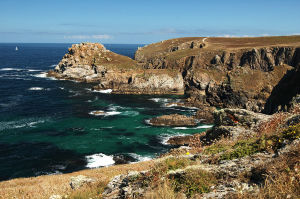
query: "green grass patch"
193, 182
176, 163
247, 147
216, 148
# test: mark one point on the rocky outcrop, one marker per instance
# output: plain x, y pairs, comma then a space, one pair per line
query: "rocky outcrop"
148, 82
173, 120
236, 73
188, 45
229, 123
235, 123
124, 186
92, 62
180, 140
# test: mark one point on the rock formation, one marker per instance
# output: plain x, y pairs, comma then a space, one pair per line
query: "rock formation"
173, 120
216, 72
228, 72
285, 94
92, 62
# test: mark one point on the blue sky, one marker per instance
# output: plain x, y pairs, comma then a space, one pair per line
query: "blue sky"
143, 21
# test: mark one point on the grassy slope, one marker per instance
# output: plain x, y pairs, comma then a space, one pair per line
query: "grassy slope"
44, 186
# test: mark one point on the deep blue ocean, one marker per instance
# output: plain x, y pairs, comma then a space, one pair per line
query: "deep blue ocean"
47, 125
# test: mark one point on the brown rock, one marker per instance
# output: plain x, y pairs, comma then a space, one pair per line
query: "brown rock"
205, 114
173, 120
180, 140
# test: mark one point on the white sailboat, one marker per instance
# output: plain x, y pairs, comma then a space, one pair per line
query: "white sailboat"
17, 48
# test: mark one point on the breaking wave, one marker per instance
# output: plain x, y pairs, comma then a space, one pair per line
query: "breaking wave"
103, 113
140, 158
198, 127
99, 160
36, 88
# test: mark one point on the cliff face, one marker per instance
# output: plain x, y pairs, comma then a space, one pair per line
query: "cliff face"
91, 62
286, 94
221, 72
226, 72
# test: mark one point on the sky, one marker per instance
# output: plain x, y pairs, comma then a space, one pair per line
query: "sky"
143, 21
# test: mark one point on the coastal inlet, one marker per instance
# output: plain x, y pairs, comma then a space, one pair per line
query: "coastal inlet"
50, 126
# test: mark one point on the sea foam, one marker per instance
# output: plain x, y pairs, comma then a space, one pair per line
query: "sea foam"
10, 69
160, 100
198, 127
99, 160
36, 88
139, 158
103, 113
105, 91
165, 137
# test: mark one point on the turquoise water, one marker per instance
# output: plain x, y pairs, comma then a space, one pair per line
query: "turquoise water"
47, 125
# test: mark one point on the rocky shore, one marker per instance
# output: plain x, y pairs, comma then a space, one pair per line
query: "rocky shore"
235, 159
213, 72
248, 87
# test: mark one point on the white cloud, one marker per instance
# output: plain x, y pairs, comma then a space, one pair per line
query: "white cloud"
256, 35
101, 36
88, 37
227, 36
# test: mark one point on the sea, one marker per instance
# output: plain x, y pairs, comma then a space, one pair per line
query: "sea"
50, 126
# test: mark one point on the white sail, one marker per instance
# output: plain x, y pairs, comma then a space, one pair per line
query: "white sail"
17, 48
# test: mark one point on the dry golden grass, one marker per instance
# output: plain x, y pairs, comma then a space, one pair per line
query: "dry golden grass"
44, 186
164, 191
215, 43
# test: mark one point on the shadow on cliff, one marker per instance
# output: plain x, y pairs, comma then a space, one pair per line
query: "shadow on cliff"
282, 94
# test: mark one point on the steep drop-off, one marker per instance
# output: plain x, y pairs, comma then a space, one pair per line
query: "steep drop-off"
225, 72
219, 72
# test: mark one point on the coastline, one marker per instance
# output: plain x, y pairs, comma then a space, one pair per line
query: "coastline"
254, 125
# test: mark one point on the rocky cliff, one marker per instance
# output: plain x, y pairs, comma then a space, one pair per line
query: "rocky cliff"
286, 94
219, 72
226, 72
92, 62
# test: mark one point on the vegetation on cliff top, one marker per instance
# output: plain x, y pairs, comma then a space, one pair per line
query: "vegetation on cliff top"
214, 43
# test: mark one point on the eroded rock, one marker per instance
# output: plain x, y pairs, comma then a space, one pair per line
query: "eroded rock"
173, 120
